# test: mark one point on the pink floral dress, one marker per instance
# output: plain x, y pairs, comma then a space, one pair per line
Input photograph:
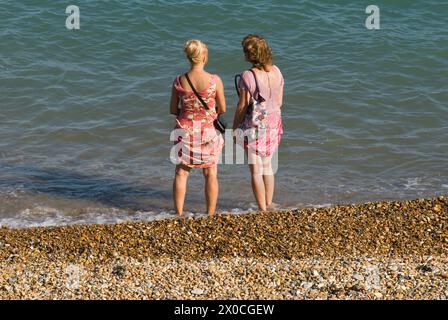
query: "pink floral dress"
270, 88
198, 144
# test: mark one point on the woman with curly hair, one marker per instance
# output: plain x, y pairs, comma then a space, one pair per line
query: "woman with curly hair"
258, 116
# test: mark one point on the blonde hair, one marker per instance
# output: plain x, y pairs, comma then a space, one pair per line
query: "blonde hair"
195, 50
257, 51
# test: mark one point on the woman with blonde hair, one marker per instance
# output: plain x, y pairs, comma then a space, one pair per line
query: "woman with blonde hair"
258, 121
197, 99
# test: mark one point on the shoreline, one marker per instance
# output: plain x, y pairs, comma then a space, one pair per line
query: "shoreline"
337, 252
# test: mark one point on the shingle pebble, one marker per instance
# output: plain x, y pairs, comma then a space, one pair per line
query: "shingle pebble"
366, 251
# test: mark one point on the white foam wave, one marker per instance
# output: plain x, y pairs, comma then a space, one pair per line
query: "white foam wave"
412, 183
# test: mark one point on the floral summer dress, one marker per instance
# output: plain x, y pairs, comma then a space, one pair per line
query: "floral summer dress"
270, 88
198, 144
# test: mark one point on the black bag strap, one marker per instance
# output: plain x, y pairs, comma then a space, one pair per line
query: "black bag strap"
195, 92
238, 76
257, 87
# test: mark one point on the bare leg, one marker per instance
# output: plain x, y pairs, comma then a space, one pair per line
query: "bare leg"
180, 187
211, 188
268, 179
256, 171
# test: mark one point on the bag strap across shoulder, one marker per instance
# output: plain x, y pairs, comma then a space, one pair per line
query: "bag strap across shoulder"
257, 87
195, 92
237, 79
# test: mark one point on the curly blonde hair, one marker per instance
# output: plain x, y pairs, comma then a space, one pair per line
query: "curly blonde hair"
195, 50
257, 51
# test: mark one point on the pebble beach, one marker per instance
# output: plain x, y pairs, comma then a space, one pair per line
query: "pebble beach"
375, 250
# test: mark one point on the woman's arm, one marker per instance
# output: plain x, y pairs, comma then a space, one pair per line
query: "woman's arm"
240, 112
220, 98
174, 102
282, 85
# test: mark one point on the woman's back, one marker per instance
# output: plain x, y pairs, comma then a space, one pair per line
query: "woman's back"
270, 85
191, 107
197, 143
200, 79
258, 124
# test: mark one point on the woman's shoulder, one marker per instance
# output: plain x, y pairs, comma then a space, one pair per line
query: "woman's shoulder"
277, 69
180, 79
176, 83
216, 79
247, 75
280, 74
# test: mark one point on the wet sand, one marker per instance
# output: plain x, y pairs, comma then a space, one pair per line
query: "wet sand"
381, 250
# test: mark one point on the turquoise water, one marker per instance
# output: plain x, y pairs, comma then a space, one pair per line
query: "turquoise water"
84, 123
